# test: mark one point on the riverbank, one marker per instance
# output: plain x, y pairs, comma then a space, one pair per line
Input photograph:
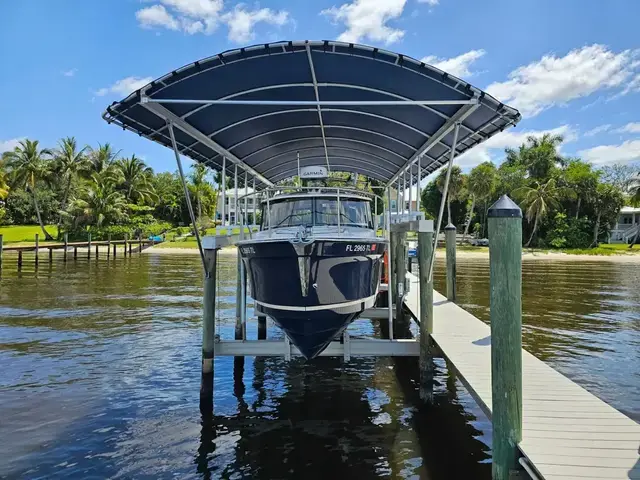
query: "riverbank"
481, 252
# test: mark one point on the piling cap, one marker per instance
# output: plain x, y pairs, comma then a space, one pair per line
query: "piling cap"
450, 226
505, 207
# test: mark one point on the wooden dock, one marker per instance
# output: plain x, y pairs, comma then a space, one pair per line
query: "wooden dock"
567, 432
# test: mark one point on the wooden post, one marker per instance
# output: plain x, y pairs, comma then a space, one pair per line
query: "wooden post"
115, 246
139, 243
1, 249
505, 265
130, 247
262, 327
75, 252
109, 246
450, 242
401, 273
89, 245
36, 251
66, 246
208, 329
19, 259
126, 237
50, 255
96, 250
425, 250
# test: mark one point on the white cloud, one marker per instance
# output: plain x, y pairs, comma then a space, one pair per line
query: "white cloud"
457, 66
633, 127
70, 73
204, 16
597, 130
156, 16
556, 80
431, 3
8, 145
124, 86
509, 139
625, 152
367, 19
241, 22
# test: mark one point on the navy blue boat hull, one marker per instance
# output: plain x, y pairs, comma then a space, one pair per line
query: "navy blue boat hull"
313, 290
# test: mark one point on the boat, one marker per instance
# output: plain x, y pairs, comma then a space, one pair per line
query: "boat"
315, 264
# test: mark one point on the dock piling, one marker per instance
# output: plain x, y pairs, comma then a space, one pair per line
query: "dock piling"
1, 249
126, 237
19, 259
108, 246
89, 246
66, 246
450, 241
115, 245
130, 247
50, 255
401, 272
425, 249
75, 253
208, 329
505, 264
36, 251
139, 243
262, 327
96, 251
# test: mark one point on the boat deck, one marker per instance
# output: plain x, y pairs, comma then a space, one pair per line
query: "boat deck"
568, 433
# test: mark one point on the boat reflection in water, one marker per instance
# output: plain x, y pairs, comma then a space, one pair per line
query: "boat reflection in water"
315, 264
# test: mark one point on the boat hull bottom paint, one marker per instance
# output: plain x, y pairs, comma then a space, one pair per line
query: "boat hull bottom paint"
313, 290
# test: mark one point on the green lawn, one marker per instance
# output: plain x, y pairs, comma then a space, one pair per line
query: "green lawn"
25, 233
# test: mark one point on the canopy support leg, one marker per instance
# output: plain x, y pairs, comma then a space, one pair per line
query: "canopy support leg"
445, 192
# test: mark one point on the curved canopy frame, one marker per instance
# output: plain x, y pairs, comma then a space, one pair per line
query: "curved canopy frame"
349, 107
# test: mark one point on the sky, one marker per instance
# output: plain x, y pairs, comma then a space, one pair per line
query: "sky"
571, 67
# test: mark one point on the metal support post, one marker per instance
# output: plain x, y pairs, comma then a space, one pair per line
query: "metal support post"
224, 191
450, 242
208, 328
410, 188
235, 194
418, 188
505, 266
444, 197
425, 245
401, 273
36, 251
390, 288
240, 296
255, 198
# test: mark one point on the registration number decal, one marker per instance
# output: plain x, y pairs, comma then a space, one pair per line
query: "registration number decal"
361, 247
247, 250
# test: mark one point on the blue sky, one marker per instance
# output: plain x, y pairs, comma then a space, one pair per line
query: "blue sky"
570, 66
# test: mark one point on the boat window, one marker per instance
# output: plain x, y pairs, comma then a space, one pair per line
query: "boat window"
290, 213
353, 213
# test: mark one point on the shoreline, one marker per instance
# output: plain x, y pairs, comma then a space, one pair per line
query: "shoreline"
526, 256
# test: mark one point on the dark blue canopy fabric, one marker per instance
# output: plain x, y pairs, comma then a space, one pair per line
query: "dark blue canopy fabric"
374, 140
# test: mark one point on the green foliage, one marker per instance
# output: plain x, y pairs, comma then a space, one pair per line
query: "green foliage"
568, 232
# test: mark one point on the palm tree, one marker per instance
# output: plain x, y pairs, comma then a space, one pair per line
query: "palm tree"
135, 180
4, 185
634, 192
607, 201
198, 182
539, 155
456, 186
28, 166
481, 185
583, 179
539, 200
102, 161
70, 163
100, 203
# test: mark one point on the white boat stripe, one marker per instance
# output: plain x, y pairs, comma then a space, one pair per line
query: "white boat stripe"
316, 307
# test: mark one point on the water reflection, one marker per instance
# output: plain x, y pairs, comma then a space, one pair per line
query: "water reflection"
101, 378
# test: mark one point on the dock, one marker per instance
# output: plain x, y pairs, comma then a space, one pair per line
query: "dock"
567, 432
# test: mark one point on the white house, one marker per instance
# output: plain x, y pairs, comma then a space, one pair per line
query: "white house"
230, 204
627, 225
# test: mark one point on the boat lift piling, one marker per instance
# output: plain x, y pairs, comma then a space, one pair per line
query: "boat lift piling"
450, 244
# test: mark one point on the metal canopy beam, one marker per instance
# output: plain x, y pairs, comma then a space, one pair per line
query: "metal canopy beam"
177, 122
315, 90
457, 118
311, 103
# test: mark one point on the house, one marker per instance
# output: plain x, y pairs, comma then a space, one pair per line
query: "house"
230, 205
626, 226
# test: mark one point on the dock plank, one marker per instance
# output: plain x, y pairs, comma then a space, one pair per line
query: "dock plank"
567, 431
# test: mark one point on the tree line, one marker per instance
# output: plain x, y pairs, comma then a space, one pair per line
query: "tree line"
94, 189
566, 202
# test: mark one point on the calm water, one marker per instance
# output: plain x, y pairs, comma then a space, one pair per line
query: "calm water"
100, 374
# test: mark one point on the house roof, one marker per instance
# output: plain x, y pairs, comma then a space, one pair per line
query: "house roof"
351, 107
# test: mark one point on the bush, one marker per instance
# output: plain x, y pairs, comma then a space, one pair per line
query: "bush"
567, 232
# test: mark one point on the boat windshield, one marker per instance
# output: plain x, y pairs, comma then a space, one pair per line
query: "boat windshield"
318, 211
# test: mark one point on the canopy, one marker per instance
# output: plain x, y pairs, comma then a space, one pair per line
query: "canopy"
351, 107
